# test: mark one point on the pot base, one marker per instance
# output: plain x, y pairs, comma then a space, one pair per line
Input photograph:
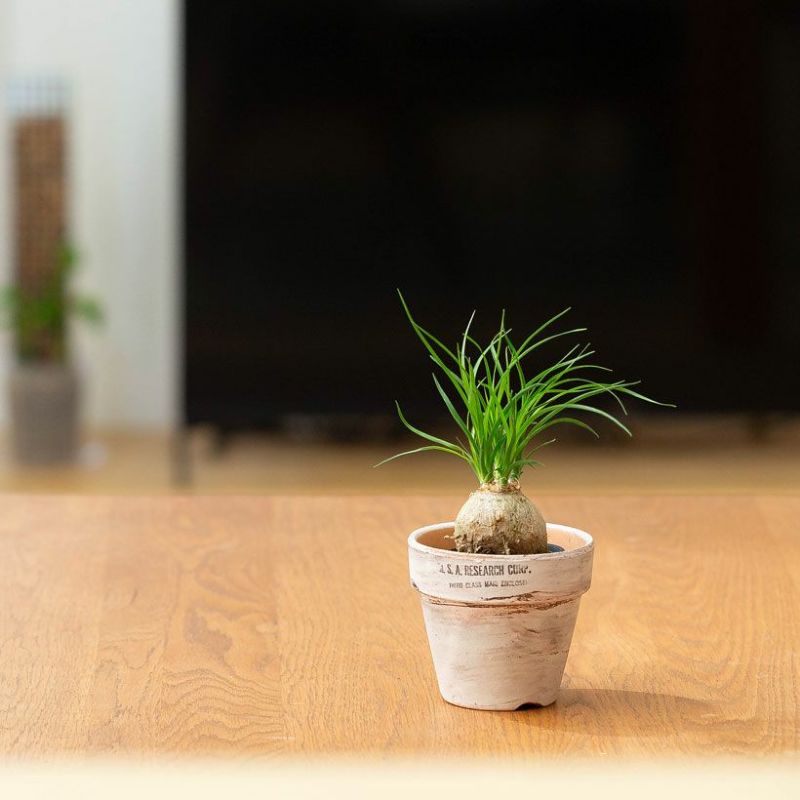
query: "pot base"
499, 657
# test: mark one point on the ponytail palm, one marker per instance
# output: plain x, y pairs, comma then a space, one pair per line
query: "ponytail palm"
501, 408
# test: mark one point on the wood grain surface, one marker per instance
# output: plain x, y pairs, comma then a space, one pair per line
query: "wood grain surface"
267, 627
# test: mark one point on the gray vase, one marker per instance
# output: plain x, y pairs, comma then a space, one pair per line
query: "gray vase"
44, 413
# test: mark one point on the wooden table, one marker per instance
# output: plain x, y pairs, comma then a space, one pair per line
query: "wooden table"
277, 626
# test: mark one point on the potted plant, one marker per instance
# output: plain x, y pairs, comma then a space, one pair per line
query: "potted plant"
44, 388
500, 587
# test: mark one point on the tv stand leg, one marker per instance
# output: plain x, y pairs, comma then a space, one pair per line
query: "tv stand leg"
181, 458
760, 426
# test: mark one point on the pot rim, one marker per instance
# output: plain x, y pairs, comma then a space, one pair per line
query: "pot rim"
415, 544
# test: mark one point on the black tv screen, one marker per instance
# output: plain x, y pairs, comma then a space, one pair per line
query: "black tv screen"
634, 160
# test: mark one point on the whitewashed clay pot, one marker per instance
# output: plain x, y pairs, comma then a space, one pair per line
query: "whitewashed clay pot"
499, 627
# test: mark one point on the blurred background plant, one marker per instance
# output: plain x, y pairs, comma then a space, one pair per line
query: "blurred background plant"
39, 319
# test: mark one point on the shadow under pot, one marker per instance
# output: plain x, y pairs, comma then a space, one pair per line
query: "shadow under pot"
500, 626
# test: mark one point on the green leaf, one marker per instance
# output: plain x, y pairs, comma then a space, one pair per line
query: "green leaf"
499, 409
425, 449
428, 436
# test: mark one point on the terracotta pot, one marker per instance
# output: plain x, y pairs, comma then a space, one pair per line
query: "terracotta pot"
499, 627
44, 413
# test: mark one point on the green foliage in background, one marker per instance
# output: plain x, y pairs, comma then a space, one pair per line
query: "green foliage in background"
499, 409
39, 319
